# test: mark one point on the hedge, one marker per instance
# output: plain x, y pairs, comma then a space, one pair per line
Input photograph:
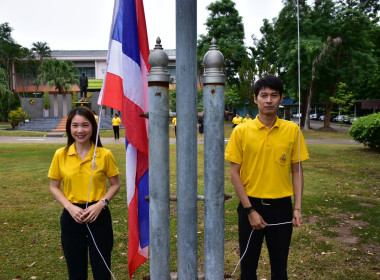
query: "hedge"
366, 130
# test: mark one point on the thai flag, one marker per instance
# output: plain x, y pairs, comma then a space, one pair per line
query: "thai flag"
125, 88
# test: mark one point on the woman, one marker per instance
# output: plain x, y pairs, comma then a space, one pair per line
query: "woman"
201, 127
84, 196
116, 125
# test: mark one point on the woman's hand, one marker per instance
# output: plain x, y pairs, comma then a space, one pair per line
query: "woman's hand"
76, 212
91, 213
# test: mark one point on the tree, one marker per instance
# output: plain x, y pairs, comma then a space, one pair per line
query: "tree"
5, 93
225, 25
264, 51
247, 73
10, 51
58, 73
232, 98
355, 59
344, 98
330, 42
352, 57
41, 49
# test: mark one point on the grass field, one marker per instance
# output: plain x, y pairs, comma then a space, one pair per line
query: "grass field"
340, 238
5, 130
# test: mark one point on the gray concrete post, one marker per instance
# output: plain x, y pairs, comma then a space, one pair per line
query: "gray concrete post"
213, 104
159, 209
186, 76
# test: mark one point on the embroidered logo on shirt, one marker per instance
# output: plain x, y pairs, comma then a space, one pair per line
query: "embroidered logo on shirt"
94, 166
283, 158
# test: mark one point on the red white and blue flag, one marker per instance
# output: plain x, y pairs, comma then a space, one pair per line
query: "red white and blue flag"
125, 88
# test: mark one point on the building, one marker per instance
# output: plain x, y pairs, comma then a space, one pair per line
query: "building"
91, 62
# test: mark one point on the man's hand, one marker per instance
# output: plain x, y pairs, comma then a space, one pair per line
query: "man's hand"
256, 221
297, 218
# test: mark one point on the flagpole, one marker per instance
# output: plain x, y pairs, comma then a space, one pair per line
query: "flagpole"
159, 192
186, 76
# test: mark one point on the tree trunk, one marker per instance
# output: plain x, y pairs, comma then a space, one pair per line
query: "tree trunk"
309, 98
329, 107
303, 110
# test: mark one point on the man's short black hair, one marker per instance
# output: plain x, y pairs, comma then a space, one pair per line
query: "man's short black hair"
269, 81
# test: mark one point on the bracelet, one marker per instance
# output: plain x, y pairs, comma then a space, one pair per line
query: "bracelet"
249, 210
296, 209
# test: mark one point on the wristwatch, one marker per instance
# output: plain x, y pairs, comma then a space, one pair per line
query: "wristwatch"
249, 210
106, 202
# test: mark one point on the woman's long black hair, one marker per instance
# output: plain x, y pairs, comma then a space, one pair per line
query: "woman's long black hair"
88, 114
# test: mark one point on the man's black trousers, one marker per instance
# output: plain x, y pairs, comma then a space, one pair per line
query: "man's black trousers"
277, 237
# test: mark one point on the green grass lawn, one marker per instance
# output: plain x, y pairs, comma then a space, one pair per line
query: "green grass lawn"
340, 238
5, 130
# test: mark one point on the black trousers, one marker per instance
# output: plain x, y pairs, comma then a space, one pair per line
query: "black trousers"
77, 244
83, 92
277, 237
116, 131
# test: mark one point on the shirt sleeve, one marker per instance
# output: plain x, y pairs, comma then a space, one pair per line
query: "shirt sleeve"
296, 156
234, 152
111, 166
54, 170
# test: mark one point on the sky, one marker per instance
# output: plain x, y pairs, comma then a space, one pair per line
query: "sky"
85, 24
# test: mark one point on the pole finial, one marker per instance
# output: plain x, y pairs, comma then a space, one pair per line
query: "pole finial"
213, 62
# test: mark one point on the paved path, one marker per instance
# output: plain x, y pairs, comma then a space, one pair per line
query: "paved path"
63, 140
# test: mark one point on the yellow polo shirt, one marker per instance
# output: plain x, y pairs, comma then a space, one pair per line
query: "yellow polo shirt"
174, 121
116, 121
246, 120
237, 120
266, 156
75, 174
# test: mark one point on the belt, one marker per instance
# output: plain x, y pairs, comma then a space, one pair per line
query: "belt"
269, 201
83, 205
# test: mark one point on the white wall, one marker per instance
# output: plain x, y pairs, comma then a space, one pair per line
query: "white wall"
100, 69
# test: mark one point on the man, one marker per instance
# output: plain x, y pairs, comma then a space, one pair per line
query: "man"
83, 83
247, 118
237, 120
262, 154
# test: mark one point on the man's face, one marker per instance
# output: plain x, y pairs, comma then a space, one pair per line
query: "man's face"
268, 100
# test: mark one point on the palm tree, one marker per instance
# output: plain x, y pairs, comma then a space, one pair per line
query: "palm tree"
58, 73
42, 49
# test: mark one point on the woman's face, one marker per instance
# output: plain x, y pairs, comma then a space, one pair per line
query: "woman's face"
81, 129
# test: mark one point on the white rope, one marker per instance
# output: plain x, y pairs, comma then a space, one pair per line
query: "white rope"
96, 246
249, 239
299, 106
89, 188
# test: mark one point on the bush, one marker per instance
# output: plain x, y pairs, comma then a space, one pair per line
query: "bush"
17, 116
366, 130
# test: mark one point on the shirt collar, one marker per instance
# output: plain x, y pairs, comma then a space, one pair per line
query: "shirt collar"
73, 151
260, 125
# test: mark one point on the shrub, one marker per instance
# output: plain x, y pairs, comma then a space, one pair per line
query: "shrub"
366, 130
14, 116
17, 116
